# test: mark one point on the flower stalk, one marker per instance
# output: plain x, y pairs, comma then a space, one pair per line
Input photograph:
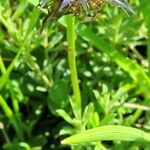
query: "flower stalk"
72, 64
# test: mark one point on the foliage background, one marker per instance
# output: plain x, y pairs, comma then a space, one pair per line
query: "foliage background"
113, 55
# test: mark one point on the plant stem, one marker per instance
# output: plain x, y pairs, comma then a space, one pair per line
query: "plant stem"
148, 43
72, 64
8, 112
6, 137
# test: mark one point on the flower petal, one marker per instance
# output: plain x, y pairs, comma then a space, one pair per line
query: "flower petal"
122, 4
64, 4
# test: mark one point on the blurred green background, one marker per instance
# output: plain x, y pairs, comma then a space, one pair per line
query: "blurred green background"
112, 54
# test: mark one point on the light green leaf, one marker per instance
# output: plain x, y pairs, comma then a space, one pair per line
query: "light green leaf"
64, 115
20, 9
88, 112
34, 2
67, 130
108, 118
108, 133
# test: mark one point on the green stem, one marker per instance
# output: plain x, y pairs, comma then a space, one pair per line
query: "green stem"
6, 137
72, 64
148, 43
9, 114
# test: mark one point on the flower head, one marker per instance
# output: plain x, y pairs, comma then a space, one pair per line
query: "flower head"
82, 8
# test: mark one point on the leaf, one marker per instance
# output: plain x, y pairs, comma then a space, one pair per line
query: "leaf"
64, 115
8, 112
108, 133
17, 146
67, 130
88, 112
34, 2
20, 9
58, 96
33, 19
108, 118
5, 76
75, 107
95, 119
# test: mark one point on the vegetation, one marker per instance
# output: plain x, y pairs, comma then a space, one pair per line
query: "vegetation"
75, 82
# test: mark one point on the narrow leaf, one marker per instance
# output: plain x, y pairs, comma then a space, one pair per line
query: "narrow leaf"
108, 133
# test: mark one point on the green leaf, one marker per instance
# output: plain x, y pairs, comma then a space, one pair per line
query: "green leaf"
34, 2
58, 96
62, 21
20, 9
108, 133
17, 146
95, 119
108, 118
4, 78
67, 130
8, 112
33, 19
88, 112
74, 106
64, 115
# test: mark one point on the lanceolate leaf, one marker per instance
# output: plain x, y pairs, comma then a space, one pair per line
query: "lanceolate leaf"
107, 133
